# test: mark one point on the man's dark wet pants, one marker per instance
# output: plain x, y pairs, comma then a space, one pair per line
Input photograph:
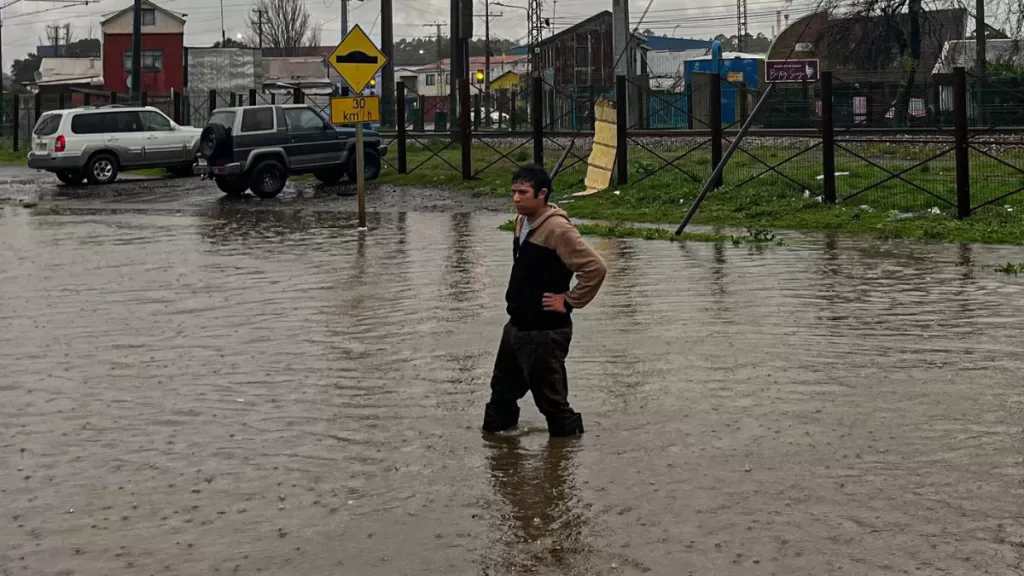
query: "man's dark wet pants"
532, 361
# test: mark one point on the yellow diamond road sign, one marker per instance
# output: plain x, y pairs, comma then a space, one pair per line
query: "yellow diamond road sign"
357, 59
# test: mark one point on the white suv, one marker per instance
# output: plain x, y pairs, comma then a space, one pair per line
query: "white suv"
94, 144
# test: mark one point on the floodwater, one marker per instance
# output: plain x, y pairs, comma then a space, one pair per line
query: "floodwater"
246, 391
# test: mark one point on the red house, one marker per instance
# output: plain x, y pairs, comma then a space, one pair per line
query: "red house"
163, 50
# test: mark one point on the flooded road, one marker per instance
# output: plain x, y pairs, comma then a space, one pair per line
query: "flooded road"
240, 391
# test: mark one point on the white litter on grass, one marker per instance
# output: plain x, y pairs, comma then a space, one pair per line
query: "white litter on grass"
866, 208
1008, 208
822, 176
935, 210
616, 192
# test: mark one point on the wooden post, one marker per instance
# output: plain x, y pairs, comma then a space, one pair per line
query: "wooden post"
16, 117
715, 120
400, 126
39, 105
828, 138
144, 99
465, 129
621, 128
512, 112
963, 159
176, 107
252, 96
213, 101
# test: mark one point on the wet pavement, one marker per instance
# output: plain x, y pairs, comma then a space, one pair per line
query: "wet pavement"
195, 386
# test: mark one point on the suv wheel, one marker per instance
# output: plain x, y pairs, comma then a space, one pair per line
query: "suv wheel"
268, 179
70, 177
232, 185
329, 177
371, 165
101, 169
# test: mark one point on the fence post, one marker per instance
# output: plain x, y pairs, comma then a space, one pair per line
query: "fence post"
963, 159
828, 139
233, 101
512, 112
465, 129
715, 120
16, 125
689, 106
176, 107
297, 96
252, 96
60, 101
86, 99
621, 126
400, 140
476, 111
421, 118
113, 97
537, 116
212, 101
743, 101
39, 105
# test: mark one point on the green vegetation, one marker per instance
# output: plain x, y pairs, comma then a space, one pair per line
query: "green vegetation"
754, 235
1011, 268
918, 205
8, 155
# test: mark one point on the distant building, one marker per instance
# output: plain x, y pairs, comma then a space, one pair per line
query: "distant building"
163, 42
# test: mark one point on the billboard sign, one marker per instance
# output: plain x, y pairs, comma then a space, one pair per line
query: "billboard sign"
792, 70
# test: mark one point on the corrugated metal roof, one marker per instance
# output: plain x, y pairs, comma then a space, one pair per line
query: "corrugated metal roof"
69, 70
965, 53
301, 69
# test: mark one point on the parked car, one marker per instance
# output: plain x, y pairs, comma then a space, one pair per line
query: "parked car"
95, 144
258, 147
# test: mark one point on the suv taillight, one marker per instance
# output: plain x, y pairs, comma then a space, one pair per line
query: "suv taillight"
59, 145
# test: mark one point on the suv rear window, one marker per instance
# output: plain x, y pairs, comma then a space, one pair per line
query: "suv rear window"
257, 119
48, 125
225, 118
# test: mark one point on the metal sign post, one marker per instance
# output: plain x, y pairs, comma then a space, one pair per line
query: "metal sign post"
357, 60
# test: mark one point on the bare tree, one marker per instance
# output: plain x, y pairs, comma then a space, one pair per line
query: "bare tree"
892, 36
285, 25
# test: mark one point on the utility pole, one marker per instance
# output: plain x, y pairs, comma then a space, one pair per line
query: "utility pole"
259, 24
344, 19
223, 32
440, 44
7, 4
136, 87
387, 40
979, 19
487, 41
535, 30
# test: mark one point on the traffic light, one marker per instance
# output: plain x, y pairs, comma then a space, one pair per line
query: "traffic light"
479, 75
373, 82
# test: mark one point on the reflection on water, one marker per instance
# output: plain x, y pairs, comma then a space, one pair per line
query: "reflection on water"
273, 391
541, 524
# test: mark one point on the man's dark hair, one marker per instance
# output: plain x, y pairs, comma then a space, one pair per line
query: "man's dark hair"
535, 176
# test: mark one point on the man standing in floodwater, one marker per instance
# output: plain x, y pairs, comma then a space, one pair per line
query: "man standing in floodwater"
546, 251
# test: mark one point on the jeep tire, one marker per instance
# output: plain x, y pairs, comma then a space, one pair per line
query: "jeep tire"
70, 177
233, 186
371, 163
268, 179
330, 176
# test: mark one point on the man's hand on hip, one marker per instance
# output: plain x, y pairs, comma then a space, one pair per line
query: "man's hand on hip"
554, 302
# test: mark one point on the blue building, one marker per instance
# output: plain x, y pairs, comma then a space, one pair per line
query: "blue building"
736, 69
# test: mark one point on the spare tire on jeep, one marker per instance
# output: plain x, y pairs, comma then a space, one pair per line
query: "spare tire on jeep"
214, 142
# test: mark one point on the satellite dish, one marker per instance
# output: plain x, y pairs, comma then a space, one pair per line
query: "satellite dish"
38, 76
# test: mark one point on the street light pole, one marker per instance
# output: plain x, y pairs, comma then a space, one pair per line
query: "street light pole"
136, 86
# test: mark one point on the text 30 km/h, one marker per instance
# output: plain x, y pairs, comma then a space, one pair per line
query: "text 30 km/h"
355, 110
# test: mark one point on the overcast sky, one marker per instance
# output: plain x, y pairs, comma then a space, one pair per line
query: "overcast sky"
24, 23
